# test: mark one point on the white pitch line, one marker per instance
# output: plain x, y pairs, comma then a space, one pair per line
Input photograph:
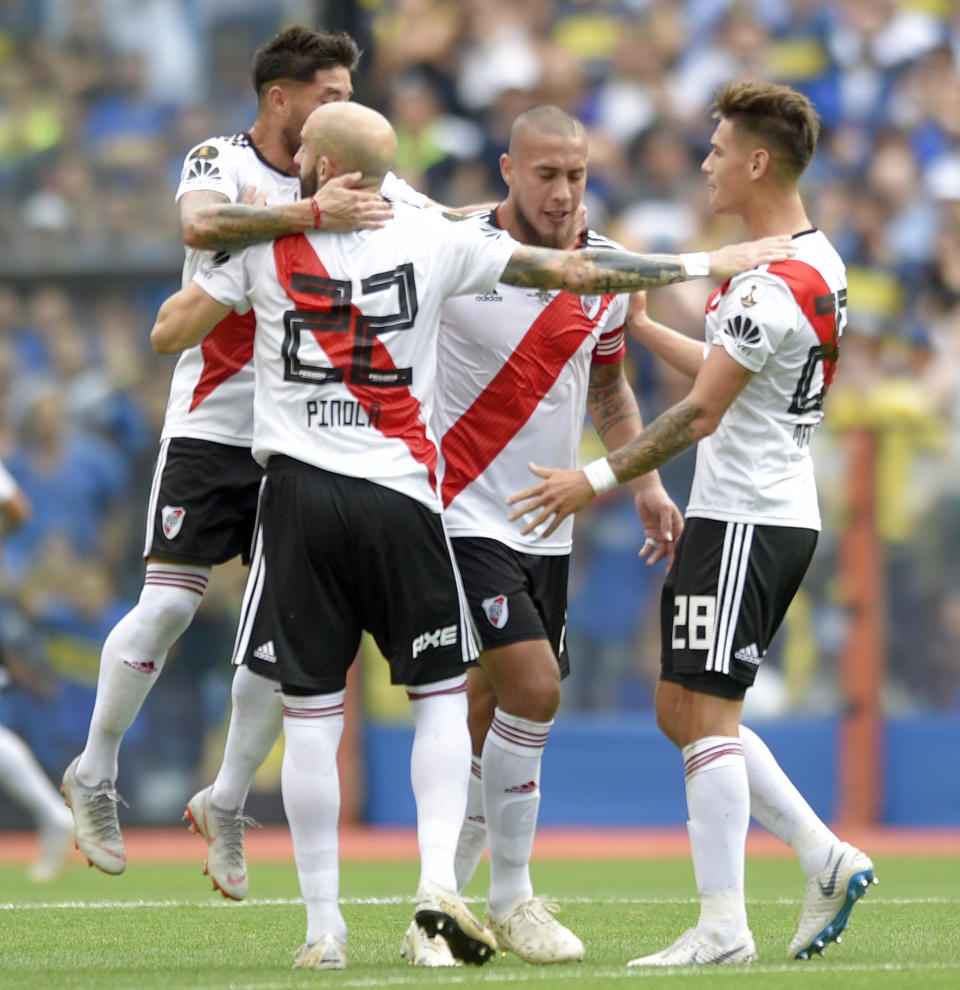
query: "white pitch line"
225, 905
529, 974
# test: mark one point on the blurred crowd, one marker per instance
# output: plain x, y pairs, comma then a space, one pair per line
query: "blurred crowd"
100, 99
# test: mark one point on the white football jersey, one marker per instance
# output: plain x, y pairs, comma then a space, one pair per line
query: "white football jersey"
783, 322
513, 367
345, 346
211, 392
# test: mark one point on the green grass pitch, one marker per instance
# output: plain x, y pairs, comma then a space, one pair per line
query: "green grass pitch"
160, 927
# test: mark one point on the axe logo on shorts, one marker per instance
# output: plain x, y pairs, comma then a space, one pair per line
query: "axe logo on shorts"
171, 519
497, 610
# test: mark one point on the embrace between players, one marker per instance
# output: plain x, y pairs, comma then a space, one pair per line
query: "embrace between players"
338, 284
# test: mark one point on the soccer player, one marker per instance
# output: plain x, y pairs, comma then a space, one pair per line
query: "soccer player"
516, 370
21, 776
350, 535
204, 493
772, 339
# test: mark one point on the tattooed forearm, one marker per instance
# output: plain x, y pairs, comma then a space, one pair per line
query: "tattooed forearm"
591, 271
231, 226
612, 405
669, 434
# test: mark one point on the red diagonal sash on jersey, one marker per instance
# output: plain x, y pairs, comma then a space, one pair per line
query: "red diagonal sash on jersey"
500, 410
399, 410
226, 349
809, 288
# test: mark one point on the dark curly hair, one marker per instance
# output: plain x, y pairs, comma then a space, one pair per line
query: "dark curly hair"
299, 53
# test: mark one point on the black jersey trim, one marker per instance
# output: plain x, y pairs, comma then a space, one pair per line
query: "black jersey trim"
269, 164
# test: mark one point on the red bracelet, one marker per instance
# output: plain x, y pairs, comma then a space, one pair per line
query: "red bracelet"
317, 213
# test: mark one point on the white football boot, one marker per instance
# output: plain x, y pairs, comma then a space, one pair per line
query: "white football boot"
529, 930
829, 899
225, 864
420, 949
97, 828
693, 949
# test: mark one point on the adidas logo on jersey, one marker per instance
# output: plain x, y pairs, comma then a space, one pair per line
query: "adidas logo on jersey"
493, 296
266, 652
749, 654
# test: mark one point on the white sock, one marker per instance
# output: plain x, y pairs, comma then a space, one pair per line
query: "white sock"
22, 777
512, 754
473, 832
256, 718
310, 785
780, 808
718, 805
132, 658
439, 771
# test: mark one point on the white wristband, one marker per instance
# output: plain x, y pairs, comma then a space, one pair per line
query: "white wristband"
600, 475
696, 264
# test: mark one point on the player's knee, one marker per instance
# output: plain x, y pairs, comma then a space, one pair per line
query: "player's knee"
168, 611
536, 698
669, 723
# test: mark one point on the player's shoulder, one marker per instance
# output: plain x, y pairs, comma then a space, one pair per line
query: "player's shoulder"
483, 217
595, 240
213, 148
815, 270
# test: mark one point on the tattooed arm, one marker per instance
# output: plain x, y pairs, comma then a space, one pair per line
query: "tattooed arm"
719, 382
615, 415
604, 270
210, 221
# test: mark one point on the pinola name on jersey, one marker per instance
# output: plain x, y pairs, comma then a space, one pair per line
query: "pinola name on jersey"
325, 413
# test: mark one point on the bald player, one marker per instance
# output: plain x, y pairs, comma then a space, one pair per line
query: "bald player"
350, 533
535, 361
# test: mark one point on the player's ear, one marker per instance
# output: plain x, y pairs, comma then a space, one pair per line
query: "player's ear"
759, 163
277, 99
325, 170
506, 168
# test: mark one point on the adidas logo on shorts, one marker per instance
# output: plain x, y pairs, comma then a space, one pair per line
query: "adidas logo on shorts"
749, 654
266, 652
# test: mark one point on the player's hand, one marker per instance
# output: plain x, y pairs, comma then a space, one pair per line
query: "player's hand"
345, 207
735, 258
251, 196
662, 524
560, 494
581, 219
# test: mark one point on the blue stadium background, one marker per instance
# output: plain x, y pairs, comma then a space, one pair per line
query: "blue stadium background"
99, 99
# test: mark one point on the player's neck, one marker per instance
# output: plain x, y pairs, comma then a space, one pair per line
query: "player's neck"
775, 216
269, 144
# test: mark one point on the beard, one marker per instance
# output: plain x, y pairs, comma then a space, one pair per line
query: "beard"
291, 140
308, 185
559, 239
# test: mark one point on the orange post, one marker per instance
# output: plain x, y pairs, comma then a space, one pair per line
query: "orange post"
860, 677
